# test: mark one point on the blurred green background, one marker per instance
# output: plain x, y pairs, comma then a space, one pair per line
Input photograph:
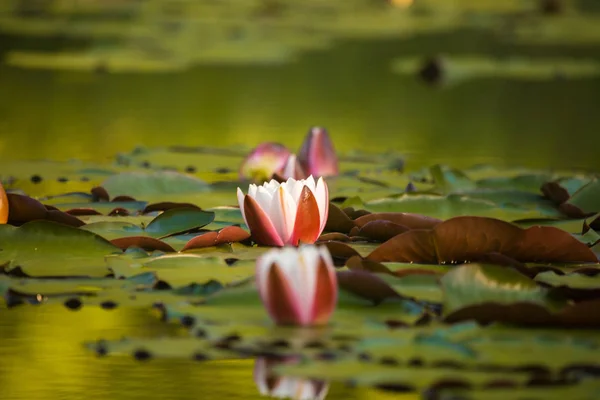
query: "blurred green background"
511, 83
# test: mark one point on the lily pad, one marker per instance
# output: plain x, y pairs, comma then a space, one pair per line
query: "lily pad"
43, 248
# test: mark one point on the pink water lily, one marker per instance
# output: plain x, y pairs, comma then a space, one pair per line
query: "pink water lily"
269, 384
287, 213
298, 286
317, 155
293, 169
265, 160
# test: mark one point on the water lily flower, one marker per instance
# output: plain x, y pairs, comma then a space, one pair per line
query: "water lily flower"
265, 160
272, 385
3, 205
287, 213
317, 154
298, 286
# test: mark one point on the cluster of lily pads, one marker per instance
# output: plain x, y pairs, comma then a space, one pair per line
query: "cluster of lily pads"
453, 283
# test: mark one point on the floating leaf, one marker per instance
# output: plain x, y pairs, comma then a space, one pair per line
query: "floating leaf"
470, 238
146, 184
44, 248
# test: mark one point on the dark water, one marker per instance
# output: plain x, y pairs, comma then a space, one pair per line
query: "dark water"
350, 90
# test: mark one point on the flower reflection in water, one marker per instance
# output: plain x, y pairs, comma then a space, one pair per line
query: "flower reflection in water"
274, 386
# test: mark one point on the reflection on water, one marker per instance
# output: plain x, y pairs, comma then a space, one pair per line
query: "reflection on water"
269, 384
42, 358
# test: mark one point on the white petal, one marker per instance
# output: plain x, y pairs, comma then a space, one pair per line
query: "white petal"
263, 198
252, 190
296, 189
283, 213
310, 182
322, 197
240, 197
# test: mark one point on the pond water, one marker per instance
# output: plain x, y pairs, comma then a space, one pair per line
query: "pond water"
349, 89
43, 358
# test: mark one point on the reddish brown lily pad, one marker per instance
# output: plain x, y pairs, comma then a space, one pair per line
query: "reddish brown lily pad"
23, 209
144, 242
228, 234
340, 252
381, 230
82, 211
579, 315
366, 285
463, 239
336, 236
338, 221
167, 205
100, 194
555, 192
353, 214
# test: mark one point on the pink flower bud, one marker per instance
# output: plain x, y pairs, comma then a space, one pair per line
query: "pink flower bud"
287, 213
317, 155
265, 160
298, 286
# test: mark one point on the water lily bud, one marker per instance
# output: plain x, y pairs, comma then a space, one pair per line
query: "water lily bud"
317, 154
287, 213
3, 205
298, 286
269, 384
263, 161
293, 169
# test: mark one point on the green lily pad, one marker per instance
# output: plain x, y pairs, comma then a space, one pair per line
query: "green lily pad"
142, 185
170, 222
444, 207
43, 248
587, 198
182, 269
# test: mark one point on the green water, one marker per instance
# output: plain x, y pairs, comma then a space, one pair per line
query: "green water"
350, 90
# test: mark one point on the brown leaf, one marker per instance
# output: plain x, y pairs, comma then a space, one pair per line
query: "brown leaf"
100, 194
340, 252
411, 221
339, 237
23, 209
555, 192
551, 244
463, 239
412, 246
228, 234
366, 285
143, 242
468, 238
572, 211
338, 221
82, 211
123, 199
357, 263
381, 230
353, 214
64, 218
579, 315
167, 205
